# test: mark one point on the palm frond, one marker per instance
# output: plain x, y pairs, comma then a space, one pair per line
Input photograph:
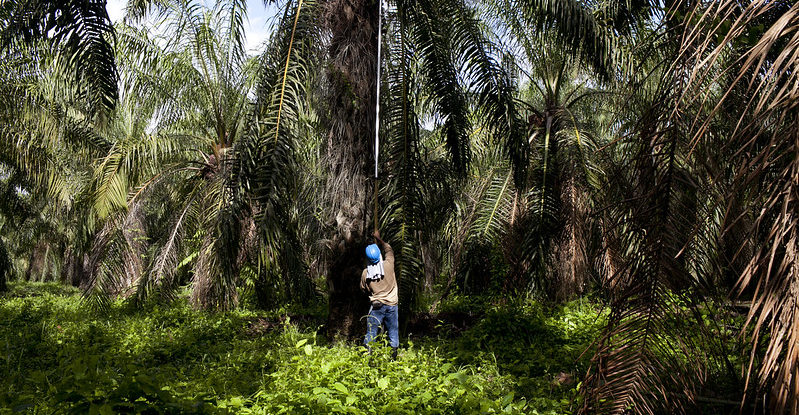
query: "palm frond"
746, 67
430, 30
270, 171
81, 31
217, 268
574, 25
637, 365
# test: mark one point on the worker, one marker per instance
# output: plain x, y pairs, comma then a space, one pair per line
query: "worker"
378, 280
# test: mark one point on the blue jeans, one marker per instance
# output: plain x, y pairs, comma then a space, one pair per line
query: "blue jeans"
386, 314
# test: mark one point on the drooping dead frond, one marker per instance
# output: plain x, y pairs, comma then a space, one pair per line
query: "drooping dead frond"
643, 363
773, 272
748, 53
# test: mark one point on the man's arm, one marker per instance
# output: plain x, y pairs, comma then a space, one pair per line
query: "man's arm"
386, 247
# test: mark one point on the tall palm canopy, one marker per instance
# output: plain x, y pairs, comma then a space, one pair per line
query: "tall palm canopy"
637, 154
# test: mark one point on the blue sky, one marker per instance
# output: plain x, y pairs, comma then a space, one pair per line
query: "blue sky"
258, 27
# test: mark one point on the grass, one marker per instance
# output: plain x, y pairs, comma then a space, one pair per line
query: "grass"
58, 357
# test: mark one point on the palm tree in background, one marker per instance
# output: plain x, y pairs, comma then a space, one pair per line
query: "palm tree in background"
182, 149
542, 220
563, 179
76, 39
48, 141
538, 225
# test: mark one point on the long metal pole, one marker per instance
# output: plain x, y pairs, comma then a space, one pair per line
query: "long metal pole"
377, 101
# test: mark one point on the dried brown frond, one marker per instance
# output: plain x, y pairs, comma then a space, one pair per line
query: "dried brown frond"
760, 88
773, 273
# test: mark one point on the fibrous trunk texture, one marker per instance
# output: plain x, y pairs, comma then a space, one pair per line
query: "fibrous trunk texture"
76, 268
352, 52
569, 251
37, 265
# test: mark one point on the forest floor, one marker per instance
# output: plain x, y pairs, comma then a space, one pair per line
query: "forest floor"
56, 356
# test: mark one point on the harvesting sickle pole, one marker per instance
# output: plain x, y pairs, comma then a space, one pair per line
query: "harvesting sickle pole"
377, 104
286, 69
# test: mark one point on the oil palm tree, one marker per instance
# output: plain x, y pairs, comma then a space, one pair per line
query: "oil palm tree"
194, 92
349, 30
440, 46
563, 180
48, 142
60, 82
541, 229
542, 220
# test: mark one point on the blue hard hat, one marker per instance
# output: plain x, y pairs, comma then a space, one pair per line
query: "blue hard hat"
373, 253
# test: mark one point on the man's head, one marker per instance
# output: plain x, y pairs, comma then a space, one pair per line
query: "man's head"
373, 254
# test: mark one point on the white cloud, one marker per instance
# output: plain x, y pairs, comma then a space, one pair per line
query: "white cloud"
257, 33
116, 9
258, 28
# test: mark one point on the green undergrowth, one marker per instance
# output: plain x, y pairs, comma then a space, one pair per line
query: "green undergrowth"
58, 357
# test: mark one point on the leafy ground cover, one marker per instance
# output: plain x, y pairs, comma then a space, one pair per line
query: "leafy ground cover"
56, 356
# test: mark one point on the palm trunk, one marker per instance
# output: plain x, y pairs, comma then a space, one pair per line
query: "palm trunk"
75, 271
351, 97
346, 303
5, 266
570, 262
37, 265
133, 229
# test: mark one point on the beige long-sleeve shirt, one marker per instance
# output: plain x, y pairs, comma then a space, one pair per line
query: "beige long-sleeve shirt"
385, 289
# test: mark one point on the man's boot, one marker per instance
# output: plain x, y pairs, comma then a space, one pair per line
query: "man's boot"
394, 353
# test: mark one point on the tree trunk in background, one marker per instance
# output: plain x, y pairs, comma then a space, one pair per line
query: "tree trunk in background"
351, 77
70, 268
75, 270
569, 257
609, 261
5, 266
431, 262
38, 262
132, 231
